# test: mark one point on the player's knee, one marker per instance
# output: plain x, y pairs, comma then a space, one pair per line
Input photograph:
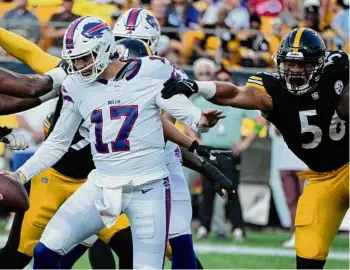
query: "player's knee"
309, 244
308, 241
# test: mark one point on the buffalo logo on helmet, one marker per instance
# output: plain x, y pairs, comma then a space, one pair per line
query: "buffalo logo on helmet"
95, 29
152, 21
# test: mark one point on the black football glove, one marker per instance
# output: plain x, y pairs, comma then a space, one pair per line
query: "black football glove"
221, 184
179, 86
64, 65
211, 153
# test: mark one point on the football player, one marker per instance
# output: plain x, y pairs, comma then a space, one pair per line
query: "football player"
141, 24
25, 234
130, 170
308, 101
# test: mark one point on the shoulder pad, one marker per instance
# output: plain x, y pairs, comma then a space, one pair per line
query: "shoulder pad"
155, 67
336, 59
261, 81
69, 89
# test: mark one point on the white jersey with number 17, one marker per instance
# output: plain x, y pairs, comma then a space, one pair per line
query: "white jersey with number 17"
123, 117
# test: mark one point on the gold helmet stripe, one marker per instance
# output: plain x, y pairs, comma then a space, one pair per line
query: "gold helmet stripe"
296, 43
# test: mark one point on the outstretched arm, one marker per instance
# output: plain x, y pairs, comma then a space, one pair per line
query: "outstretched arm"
245, 97
30, 86
24, 86
221, 93
27, 52
182, 109
9, 104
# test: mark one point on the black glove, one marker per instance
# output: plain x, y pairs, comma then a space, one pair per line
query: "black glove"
211, 152
3, 132
179, 86
64, 65
221, 184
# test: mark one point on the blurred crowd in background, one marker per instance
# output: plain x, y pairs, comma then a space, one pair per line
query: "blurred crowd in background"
213, 39
233, 33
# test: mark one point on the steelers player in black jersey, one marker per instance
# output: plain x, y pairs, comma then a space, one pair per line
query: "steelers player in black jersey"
307, 99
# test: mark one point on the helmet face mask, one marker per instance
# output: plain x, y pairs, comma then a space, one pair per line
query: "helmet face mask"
138, 24
88, 39
300, 60
90, 72
300, 77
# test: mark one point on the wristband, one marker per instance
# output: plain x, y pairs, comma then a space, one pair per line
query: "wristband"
50, 95
193, 146
206, 89
21, 176
57, 76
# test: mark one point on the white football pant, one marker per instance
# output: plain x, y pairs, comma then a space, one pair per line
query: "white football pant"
147, 207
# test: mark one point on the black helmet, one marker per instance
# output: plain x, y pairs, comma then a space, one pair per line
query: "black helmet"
305, 47
132, 48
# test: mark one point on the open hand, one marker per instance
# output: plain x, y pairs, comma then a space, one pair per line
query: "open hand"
210, 117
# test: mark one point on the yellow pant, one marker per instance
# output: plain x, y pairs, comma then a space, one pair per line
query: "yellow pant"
48, 191
321, 209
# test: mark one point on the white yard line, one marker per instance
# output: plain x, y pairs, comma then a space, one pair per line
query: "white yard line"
260, 251
243, 250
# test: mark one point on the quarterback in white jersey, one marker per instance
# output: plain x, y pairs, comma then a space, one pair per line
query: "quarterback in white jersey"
141, 24
121, 104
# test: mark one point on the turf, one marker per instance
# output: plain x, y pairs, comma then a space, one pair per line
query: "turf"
254, 239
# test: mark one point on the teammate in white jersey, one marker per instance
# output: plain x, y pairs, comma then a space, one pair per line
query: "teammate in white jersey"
141, 24
127, 144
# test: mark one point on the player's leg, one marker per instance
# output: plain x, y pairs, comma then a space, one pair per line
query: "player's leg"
321, 209
10, 257
148, 209
119, 239
180, 237
69, 259
76, 220
206, 209
101, 256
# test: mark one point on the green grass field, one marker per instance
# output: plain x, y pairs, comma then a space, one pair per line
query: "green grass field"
224, 254
217, 260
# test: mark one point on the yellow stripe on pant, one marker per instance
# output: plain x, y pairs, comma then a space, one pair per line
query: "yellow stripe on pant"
320, 211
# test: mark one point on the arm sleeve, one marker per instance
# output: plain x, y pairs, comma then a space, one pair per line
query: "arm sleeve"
181, 108
27, 52
252, 114
55, 146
